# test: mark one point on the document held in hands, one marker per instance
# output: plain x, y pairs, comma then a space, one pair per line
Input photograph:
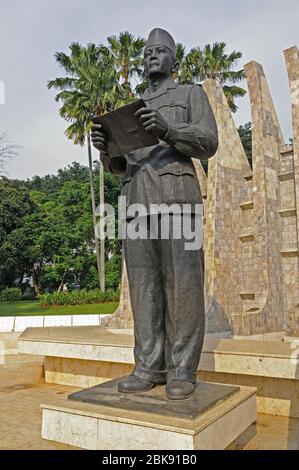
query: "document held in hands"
124, 131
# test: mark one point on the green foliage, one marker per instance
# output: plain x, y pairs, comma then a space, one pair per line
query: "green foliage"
46, 231
26, 308
90, 88
16, 205
79, 297
125, 54
113, 272
11, 294
28, 294
245, 134
212, 61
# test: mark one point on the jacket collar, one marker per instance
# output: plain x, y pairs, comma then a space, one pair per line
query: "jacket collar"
166, 85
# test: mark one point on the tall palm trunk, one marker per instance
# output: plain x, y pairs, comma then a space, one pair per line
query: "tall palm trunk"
102, 241
93, 205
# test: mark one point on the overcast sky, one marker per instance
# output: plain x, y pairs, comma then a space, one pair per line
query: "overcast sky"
32, 30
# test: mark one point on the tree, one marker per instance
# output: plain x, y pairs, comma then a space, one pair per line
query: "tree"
125, 54
7, 151
246, 139
46, 231
66, 240
15, 205
90, 88
212, 61
189, 64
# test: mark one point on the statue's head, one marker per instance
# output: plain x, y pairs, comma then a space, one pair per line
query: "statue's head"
160, 54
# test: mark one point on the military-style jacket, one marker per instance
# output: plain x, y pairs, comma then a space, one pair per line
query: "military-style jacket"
164, 173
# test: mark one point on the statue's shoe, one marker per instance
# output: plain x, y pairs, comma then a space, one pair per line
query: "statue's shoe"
134, 384
179, 389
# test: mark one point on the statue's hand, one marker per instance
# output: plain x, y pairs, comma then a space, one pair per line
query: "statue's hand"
99, 138
152, 121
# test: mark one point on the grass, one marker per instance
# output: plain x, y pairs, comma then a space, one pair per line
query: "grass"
28, 307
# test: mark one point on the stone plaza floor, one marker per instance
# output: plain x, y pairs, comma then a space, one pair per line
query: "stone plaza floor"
22, 389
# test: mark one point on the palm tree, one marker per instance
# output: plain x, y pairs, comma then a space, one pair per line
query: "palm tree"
189, 64
219, 65
212, 61
125, 54
89, 88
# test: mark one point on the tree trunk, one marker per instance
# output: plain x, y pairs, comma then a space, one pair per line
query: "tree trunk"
61, 283
35, 280
102, 242
93, 205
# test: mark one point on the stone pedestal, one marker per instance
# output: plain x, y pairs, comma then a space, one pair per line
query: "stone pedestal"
213, 418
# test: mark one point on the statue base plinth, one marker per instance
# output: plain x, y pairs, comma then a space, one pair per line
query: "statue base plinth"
206, 395
101, 418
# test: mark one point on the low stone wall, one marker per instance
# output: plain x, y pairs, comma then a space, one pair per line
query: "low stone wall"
20, 323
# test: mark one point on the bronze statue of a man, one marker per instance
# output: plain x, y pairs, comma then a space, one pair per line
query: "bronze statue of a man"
166, 281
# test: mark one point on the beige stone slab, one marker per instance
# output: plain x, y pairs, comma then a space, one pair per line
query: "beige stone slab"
119, 436
93, 335
250, 364
92, 352
275, 336
82, 373
250, 357
68, 428
79, 335
121, 429
73, 364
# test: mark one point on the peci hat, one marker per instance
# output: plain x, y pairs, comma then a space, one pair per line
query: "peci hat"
161, 37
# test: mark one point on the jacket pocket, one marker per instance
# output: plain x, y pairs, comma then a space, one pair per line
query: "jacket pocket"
174, 112
179, 184
176, 169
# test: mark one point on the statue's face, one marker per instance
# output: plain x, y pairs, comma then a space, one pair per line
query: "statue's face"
158, 60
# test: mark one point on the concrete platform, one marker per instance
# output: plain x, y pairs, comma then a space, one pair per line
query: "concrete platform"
97, 427
87, 356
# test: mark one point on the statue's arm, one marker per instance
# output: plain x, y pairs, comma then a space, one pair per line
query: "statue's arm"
199, 137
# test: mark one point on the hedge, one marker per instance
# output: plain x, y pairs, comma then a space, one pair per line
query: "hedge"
11, 294
78, 297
